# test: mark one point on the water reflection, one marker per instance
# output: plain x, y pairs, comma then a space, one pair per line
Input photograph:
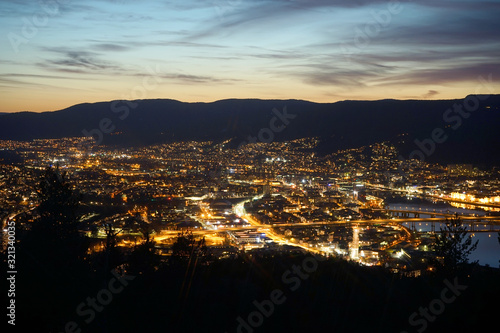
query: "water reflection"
488, 249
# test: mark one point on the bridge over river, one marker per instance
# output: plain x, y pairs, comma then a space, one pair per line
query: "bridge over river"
492, 222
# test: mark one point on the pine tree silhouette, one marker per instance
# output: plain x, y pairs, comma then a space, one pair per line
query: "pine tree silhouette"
454, 244
54, 240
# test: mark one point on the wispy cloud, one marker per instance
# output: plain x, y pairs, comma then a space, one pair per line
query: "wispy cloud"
188, 79
450, 74
293, 46
431, 93
76, 61
111, 47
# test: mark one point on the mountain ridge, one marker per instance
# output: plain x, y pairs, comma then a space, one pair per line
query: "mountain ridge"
240, 99
339, 125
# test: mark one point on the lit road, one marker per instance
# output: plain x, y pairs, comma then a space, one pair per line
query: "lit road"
240, 211
205, 213
490, 220
211, 232
254, 224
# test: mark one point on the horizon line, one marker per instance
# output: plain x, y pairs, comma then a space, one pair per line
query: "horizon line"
249, 99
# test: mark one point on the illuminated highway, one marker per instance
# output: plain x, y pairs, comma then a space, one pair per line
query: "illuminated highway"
213, 232
240, 211
255, 225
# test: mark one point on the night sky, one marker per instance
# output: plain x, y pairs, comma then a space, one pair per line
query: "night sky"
55, 54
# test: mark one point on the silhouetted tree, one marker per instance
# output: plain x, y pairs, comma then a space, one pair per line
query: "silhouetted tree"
146, 231
144, 258
186, 247
454, 244
111, 256
187, 254
54, 238
111, 234
51, 254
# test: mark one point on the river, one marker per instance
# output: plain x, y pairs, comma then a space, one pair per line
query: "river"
488, 249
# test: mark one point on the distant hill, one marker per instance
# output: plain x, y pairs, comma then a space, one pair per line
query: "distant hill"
339, 125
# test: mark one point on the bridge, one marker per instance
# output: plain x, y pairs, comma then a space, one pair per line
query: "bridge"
415, 213
419, 194
432, 213
492, 221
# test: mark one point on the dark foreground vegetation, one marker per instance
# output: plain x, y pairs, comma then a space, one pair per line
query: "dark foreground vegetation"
337, 297
62, 287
